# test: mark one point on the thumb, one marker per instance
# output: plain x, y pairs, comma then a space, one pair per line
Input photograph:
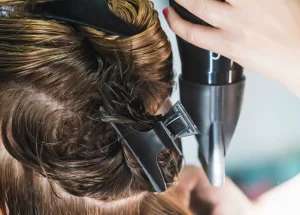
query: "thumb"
190, 179
206, 37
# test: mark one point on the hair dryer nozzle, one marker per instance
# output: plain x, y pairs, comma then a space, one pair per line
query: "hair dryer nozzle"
215, 110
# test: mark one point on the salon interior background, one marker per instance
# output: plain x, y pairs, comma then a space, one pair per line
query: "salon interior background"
266, 145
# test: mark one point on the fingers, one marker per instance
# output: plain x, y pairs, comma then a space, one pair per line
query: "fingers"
193, 175
202, 36
190, 179
211, 11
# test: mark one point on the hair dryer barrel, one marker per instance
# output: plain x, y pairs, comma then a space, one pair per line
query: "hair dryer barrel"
211, 90
206, 67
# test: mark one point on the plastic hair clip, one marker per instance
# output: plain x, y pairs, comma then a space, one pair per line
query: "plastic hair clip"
91, 13
179, 123
146, 145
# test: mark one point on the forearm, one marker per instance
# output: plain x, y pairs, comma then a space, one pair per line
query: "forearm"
288, 71
281, 200
293, 82
282, 66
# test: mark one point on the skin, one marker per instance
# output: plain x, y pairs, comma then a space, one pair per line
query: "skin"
195, 191
261, 35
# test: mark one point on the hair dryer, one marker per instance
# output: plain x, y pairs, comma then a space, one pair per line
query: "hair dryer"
211, 90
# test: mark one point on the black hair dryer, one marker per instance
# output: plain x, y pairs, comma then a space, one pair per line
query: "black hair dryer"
211, 90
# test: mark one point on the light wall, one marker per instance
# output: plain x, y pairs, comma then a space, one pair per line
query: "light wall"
269, 125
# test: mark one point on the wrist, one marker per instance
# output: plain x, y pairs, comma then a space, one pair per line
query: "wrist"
287, 71
292, 82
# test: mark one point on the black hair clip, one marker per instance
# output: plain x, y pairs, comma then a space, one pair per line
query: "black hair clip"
146, 145
91, 13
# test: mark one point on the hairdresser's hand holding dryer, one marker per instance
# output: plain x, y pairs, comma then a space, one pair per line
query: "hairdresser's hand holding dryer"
264, 37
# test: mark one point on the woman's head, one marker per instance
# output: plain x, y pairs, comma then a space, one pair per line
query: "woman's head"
54, 76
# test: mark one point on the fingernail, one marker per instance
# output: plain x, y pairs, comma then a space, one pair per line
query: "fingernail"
166, 12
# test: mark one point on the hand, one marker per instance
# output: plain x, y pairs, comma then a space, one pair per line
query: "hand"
195, 191
261, 35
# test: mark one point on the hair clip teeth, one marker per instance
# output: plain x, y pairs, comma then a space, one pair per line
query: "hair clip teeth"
179, 122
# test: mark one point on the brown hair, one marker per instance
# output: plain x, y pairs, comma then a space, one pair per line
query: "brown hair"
62, 156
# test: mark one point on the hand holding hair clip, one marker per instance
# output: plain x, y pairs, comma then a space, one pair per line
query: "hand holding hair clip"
91, 13
146, 145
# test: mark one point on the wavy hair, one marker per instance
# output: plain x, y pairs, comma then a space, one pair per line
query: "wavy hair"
61, 156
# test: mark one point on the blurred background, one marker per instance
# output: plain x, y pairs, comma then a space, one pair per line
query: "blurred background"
265, 150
